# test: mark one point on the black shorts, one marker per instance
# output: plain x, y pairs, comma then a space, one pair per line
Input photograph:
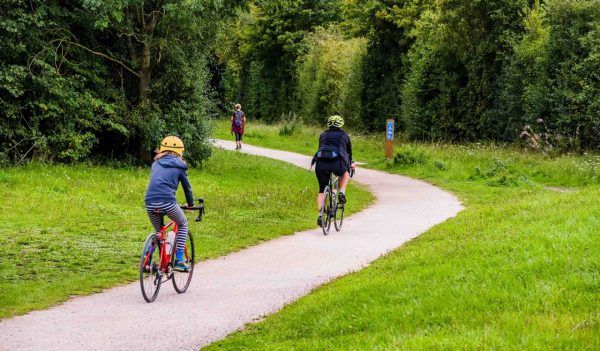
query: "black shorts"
324, 168
238, 136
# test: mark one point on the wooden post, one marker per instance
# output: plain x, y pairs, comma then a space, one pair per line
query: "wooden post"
389, 138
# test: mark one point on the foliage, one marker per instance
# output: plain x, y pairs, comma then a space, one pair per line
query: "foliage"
408, 156
329, 77
109, 79
267, 41
387, 24
573, 71
54, 101
290, 124
552, 86
449, 69
460, 50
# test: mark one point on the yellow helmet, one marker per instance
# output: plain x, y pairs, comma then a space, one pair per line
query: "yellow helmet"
172, 143
335, 121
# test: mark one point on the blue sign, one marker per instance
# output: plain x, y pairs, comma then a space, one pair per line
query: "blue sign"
390, 130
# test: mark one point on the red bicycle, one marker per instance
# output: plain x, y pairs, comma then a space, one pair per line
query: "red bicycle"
158, 259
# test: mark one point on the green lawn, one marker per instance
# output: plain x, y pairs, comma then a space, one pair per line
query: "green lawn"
70, 230
517, 269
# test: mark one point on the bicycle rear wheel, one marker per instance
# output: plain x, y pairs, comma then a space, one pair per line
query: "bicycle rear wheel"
181, 280
338, 220
326, 211
150, 274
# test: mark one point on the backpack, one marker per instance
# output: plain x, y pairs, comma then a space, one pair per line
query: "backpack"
238, 118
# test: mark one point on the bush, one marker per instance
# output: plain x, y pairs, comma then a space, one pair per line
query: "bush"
440, 165
409, 156
550, 86
329, 79
499, 175
290, 124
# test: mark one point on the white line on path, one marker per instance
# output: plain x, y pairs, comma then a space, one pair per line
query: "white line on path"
230, 291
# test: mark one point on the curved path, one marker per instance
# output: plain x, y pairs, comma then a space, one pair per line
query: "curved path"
239, 288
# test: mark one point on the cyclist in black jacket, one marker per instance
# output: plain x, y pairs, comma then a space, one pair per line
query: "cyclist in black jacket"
334, 155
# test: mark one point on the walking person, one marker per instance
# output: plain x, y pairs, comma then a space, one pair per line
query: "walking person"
238, 123
333, 156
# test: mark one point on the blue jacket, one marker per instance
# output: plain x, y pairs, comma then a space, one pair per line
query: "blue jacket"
167, 172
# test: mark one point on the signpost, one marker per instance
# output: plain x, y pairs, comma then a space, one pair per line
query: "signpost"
389, 138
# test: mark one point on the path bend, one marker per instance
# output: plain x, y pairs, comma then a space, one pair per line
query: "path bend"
241, 287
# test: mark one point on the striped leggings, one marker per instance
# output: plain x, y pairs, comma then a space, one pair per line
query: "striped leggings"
174, 212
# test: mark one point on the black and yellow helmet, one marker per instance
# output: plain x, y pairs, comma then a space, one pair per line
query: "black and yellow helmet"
335, 121
172, 143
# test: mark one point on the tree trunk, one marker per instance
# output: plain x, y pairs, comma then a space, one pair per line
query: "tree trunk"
147, 25
145, 71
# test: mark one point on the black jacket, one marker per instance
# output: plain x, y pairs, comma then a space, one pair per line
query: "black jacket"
336, 139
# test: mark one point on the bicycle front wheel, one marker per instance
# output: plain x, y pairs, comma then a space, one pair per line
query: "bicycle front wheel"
150, 274
182, 280
326, 211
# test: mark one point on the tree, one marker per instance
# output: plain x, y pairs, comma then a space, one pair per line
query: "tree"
460, 52
106, 77
271, 41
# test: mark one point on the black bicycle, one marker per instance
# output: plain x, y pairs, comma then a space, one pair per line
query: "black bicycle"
332, 210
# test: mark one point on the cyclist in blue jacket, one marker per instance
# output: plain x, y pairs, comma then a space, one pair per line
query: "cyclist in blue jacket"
168, 170
334, 156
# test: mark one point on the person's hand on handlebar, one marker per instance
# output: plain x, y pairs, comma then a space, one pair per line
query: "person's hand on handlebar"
187, 207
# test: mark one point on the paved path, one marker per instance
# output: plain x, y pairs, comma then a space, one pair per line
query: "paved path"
230, 291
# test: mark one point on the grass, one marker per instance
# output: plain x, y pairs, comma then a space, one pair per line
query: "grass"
71, 230
517, 269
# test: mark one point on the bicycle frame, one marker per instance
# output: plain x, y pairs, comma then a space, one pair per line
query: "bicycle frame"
333, 188
165, 258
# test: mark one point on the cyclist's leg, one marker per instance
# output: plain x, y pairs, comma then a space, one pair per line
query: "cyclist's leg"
174, 212
155, 218
344, 176
323, 172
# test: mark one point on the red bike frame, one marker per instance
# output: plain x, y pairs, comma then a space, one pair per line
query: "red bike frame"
164, 257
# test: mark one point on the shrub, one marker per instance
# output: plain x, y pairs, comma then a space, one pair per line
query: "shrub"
409, 156
290, 124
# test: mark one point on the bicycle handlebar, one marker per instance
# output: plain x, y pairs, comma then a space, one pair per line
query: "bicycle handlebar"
200, 209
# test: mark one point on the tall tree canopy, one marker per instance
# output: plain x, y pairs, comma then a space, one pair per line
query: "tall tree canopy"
105, 77
108, 78
447, 69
